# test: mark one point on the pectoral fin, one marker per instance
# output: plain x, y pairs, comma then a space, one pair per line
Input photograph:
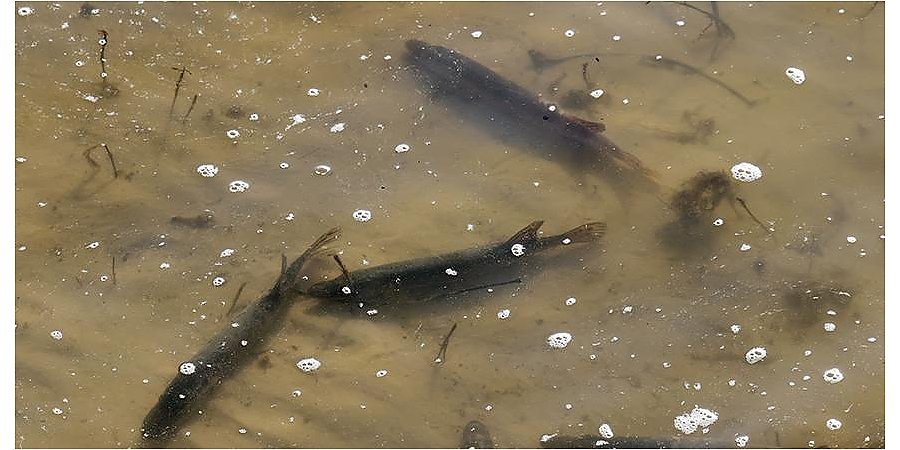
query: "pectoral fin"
526, 234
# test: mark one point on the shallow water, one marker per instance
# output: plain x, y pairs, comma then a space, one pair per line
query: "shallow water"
652, 324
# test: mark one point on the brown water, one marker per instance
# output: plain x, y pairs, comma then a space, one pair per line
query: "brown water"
652, 322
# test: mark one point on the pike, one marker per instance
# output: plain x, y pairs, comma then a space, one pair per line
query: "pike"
450, 74
593, 441
428, 278
228, 351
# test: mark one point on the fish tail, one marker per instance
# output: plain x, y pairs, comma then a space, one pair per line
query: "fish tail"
289, 275
589, 232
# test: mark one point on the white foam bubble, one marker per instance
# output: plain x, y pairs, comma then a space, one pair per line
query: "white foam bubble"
309, 364
362, 215
833, 424
606, 431
233, 134
207, 170
559, 340
401, 148
56, 334
755, 355
503, 314
597, 93
338, 127
833, 375
237, 186
313, 92
742, 440
187, 368
322, 170
218, 281
798, 76
25, 11
476, 34
517, 249
746, 172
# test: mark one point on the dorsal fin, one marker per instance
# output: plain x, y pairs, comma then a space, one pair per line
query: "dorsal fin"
526, 234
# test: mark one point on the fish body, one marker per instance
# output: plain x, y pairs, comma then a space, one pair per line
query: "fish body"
225, 353
502, 104
427, 278
476, 435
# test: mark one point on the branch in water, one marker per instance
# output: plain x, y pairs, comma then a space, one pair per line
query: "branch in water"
442, 353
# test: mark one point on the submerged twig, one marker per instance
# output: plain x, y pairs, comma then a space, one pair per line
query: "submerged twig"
670, 63
182, 70
190, 108
112, 162
744, 205
442, 353
104, 38
114, 269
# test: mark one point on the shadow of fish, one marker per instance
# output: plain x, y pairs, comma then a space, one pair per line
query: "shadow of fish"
425, 279
519, 116
226, 352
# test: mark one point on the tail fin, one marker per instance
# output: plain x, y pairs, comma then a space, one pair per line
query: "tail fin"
588, 232
289, 276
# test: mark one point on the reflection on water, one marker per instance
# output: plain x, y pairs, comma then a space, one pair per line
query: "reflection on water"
294, 118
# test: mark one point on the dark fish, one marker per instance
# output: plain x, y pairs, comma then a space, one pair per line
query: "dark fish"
693, 203
476, 435
517, 113
540, 61
439, 276
203, 220
589, 441
227, 351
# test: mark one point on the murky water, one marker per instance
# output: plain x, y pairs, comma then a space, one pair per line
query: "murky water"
661, 322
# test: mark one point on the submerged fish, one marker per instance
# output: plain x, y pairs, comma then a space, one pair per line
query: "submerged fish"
227, 351
590, 441
439, 276
517, 113
476, 435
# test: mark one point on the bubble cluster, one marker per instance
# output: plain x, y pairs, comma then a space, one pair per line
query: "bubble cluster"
25, 11
833, 424
742, 440
755, 355
401, 148
207, 170
798, 76
362, 215
93, 245
718, 222
238, 186
309, 364
517, 249
746, 172
503, 314
570, 301
56, 334
559, 340
829, 327
218, 281
338, 127
697, 418
233, 134
313, 92
606, 431
476, 34
226, 253
187, 368
833, 375
597, 93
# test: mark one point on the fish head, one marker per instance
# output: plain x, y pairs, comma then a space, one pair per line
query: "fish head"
441, 65
179, 397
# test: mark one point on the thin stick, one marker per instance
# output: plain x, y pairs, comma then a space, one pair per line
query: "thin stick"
87, 156
234, 301
442, 353
191, 108
114, 269
104, 38
183, 70
483, 286
744, 204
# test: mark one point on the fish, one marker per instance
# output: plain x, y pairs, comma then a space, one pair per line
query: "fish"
476, 435
593, 441
227, 351
516, 114
424, 279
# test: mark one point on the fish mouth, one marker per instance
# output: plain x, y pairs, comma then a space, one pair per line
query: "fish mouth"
415, 45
